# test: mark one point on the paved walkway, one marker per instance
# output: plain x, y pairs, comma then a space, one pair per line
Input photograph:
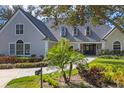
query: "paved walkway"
9, 74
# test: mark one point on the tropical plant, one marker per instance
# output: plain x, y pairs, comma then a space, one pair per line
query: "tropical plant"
118, 78
93, 75
61, 55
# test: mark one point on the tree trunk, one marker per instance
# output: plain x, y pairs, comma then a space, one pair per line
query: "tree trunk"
70, 72
64, 76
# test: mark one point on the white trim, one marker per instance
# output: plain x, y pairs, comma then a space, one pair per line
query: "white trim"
112, 30
46, 47
9, 48
120, 45
103, 46
23, 48
15, 29
61, 31
88, 42
79, 46
32, 23
9, 21
19, 11
77, 31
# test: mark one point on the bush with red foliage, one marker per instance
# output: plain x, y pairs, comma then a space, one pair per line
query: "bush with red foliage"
7, 59
93, 76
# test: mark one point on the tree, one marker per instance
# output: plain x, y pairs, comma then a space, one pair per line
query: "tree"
6, 13
79, 14
60, 55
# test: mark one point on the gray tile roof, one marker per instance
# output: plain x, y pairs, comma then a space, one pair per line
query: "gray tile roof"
98, 33
41, 26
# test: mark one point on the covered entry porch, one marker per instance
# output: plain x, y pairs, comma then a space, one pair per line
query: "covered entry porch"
89, 48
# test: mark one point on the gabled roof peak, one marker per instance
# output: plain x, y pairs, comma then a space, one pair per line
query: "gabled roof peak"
40, 25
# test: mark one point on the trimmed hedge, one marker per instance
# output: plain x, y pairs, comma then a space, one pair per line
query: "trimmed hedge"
6, 66
23, 65
30, 65
7, 59
110, 57
113, 52
13, 59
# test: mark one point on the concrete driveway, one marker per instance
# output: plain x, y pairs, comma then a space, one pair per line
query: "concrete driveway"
9, 74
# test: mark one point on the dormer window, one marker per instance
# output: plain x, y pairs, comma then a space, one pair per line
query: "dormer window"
63, 31
19, 29
76, 31
88, 31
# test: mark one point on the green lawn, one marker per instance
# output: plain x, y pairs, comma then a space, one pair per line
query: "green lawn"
34, 81
25, 82
115, 63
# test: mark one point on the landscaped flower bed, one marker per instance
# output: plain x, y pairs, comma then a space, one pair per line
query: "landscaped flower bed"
103, 72
7, 59
51, 80
8, 62
14, 59
23, 65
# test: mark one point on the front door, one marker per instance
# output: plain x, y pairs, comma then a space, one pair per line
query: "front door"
89, 49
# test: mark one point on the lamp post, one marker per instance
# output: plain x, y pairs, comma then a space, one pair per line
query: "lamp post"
41, 77
40, 73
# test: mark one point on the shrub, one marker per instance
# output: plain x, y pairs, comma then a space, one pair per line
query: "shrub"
6, 66
7, 59
122, 53
110, 57
52, 82
28, 59
113, 52
13, 59
42, 57
30, 65
108, 77
93, 75
33, 55
118, 78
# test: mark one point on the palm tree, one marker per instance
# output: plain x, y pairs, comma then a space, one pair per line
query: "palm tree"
60, 55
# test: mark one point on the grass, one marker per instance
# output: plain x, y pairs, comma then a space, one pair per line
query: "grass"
116, 63
25, 82
34, 81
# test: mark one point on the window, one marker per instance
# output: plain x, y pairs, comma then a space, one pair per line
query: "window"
19, 47
88, 31
27, 49
76, 30
12, 49
116, 46
19, 29
63, 31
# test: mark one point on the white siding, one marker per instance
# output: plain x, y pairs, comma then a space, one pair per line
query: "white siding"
116, 35
31, 34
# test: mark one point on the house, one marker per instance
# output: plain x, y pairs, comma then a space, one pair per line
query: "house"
24, 35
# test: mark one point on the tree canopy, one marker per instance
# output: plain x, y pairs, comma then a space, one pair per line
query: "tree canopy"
73, 15
80, 14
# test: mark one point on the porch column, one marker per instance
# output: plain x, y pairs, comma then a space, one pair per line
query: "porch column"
103, 46
79, 46
46, 47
